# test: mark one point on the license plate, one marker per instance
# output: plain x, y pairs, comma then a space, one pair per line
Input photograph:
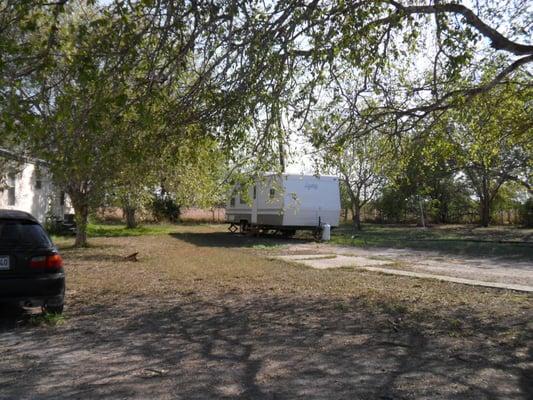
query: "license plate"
4, 262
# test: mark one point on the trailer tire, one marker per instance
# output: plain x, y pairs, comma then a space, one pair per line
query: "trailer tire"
288, 233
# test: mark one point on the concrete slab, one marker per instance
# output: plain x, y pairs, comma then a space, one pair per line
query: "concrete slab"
330, 260
486, 269
325, 261
508, 286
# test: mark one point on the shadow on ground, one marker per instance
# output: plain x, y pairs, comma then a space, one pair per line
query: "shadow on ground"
256, 347
513, 254
227, 239
12, 317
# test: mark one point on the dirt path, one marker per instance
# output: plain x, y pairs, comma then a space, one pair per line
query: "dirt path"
479, 269
247, 347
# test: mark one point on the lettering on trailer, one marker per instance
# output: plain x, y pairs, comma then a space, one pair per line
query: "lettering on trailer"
310, 186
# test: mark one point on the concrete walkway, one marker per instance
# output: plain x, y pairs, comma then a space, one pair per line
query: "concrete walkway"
422, 266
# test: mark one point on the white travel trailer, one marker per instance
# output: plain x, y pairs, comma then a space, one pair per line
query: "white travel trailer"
285, 203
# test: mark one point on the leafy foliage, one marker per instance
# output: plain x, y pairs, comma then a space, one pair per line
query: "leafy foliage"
491, 142
527, 213
120, 97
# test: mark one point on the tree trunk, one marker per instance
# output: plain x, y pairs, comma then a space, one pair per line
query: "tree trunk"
355, 205
422, 219
357, 217
131, 222
444, 212
484, 211
484, 202
81, 216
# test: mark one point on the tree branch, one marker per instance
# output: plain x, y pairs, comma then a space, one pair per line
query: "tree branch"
498, 41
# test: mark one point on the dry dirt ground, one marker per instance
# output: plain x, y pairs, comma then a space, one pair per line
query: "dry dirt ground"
205, 314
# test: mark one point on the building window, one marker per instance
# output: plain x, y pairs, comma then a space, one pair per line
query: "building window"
272, 193
38, 179
232, 202
62, 199
255, 192
11, 194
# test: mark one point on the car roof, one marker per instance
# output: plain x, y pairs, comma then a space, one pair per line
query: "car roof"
17, 215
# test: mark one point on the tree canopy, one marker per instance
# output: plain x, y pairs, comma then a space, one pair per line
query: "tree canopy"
99, 89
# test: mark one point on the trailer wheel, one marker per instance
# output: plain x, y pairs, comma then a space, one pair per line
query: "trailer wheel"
288, 233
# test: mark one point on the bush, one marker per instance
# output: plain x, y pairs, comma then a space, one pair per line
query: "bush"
526, 213
165, 209
52, 225
390, 205
56, 226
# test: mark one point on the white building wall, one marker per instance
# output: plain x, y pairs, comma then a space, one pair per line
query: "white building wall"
29, 197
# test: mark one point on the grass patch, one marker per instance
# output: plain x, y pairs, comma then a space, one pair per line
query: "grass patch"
95, 230
106, 230
49, 319
207, 260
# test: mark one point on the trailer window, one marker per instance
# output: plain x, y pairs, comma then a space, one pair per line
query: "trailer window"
38, 180
272, 193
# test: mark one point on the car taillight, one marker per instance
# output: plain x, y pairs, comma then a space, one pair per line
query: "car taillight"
54, 262
38, 262
47, 262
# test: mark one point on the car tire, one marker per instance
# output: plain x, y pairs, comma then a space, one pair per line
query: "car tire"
57, 309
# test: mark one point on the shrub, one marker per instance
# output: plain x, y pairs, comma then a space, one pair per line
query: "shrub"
165, 209
526, 213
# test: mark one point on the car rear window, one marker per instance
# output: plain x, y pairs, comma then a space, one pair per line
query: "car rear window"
22, 234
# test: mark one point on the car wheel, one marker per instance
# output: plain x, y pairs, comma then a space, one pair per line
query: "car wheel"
48, 309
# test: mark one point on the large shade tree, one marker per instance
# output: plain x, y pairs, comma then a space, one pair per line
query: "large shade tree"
492, 140
75, 108
121, 79
362, 163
